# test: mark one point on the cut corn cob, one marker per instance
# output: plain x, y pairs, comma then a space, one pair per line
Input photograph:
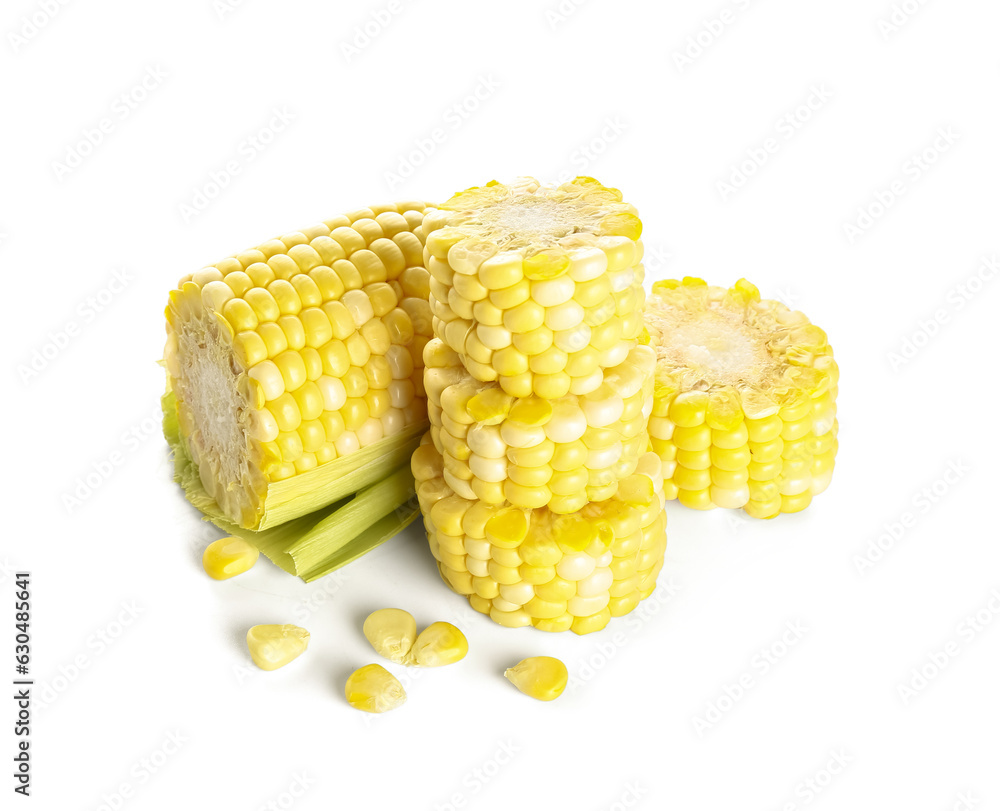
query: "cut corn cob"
533, 567
533, 452
536, 287
744, 412
296, 367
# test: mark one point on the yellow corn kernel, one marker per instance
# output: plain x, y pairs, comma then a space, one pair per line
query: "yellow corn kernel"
391, 632
372, 688
228, 557
440, 643
541, 677
274, 646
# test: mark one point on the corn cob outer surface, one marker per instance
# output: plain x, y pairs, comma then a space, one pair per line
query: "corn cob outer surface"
531, 452
535, 567
744, 412
298, 352
536, 287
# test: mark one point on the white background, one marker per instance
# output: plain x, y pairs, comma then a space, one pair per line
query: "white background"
594, 89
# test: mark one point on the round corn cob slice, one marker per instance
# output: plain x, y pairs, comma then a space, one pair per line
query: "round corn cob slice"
301, 351
535, 567
536, 287
744, 412
531, 452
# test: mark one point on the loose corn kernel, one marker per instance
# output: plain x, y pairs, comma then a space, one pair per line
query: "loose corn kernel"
228, 557
391, 632
440, 643
274, 646
541, 677
372, 688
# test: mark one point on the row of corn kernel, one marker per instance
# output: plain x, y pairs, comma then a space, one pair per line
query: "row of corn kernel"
532, 452
534, 567
540, 315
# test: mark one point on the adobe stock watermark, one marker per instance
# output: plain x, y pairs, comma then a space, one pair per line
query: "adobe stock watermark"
967, 631
898, 17
761, 663
366, 32
606, 650
453, 118
708, 33
810, 788
914, 169
955, 300
630, 796
318, 598
121, 109
964, 801
102, 469
586, 154
58, 340
896, 529
143, 770
247, 151
474, 781
558, 13
7, 570
296, 789
33, 23
656, 260
95, 646
223, 8
786, 128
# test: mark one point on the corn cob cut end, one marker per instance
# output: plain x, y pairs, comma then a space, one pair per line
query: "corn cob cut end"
744, 412
536, 287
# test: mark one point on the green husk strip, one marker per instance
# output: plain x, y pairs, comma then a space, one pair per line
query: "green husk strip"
316, 488
312, 545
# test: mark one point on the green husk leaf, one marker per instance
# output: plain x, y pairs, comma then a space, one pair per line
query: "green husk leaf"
312, 545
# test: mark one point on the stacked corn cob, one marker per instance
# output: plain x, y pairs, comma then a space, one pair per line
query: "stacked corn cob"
295, 368
745, 406
538, 502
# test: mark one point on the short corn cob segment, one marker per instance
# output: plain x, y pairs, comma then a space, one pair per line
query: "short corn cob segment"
536, 287
301, 351
532, 452
744, 412
534, 567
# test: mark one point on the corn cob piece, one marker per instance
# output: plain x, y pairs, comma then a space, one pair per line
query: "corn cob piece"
296, 367
744, 412
538, 288
532, 452
534, 567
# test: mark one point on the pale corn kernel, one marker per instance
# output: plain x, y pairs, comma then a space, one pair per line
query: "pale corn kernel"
541, 677
391, 632
440, 643
374, 689
274, 646
228, 557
